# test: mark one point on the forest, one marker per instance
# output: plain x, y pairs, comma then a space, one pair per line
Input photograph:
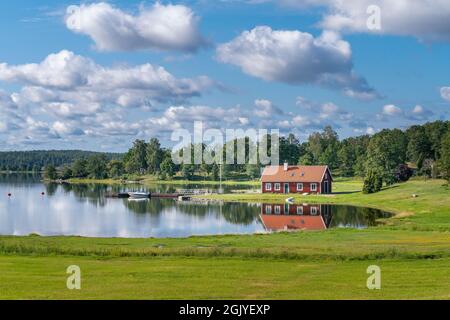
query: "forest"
37, 160
387, 157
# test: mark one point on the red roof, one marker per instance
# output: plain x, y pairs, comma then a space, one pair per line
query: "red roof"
294, 174
279, 222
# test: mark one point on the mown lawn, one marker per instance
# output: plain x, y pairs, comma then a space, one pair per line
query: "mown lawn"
220, 278
412, 249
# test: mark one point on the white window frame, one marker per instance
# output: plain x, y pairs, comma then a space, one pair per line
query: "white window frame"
268, 209
268, 186
277, 186
314, 211
277, 209
315, 187
300, 184
300, 210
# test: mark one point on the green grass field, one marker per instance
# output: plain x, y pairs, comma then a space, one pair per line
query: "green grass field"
412, 249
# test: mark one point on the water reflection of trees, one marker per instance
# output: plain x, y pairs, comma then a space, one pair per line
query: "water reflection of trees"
235, 213
20, 179
355, 216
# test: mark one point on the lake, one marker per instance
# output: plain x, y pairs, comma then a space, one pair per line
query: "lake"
84, 210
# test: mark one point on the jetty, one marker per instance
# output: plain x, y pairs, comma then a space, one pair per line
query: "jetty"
184, 194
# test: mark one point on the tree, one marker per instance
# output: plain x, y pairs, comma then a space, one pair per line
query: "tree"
136, 158
215, 172
386, 150
429, 168
154, 156
79, 168
116, 168
435, 132
96, 167
322, 148
444, 161
347, 159
253, 171
66, 173
168, 167
290, 149
188, 171
306, 160
419, 147
373, 182
50, 172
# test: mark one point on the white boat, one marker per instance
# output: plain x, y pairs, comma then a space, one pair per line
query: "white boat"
290, 200
138, 195
137, 199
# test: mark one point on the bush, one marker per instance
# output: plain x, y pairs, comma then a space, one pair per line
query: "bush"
373, 182
403, 173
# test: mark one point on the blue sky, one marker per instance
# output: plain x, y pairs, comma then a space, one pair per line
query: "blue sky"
126, 72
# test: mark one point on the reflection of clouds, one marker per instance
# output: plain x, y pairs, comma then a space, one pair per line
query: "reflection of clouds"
66, 213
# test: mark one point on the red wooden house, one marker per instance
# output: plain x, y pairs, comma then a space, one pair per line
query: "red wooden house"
297, 179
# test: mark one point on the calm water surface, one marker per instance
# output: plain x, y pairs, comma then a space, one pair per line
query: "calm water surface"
84, 210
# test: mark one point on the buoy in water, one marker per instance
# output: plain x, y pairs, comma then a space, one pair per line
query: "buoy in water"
42, 193
9, 194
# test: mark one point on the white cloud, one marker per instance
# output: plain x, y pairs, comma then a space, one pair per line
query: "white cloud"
391, 110
370, 130
445, 93
327, 110
69, 81
295, 57
424, 19
419, 113
265, 109
160, 27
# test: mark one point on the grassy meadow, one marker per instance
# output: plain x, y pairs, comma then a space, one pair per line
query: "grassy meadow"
412, 249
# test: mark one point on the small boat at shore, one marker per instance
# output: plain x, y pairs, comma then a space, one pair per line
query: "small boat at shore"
138, 199
139, 195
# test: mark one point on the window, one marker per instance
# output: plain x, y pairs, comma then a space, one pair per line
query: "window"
300, 210
277, 187
313, 211
299, 186
268, 209
268, 186
313, 186
277, 209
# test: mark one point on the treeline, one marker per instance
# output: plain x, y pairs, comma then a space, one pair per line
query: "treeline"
389, 156
37, 160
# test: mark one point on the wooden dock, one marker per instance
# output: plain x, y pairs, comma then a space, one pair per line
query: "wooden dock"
126, 195
180, 194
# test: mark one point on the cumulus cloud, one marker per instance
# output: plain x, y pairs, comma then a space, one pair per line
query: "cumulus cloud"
445, 93
265, 109
66, 77
70, 98
417, 113
424, 19
160, 27
391, 110
296, 57
327, 110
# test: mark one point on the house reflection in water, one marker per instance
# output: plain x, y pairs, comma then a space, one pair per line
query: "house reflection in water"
278, 217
